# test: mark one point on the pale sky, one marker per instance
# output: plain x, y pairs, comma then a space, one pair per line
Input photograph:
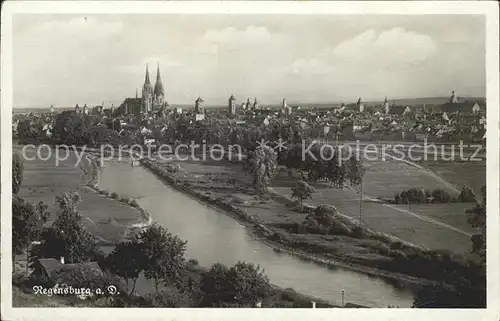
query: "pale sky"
67, 59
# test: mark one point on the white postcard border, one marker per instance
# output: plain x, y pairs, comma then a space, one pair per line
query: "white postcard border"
489, 9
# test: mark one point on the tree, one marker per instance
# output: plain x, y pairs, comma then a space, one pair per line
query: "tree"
87, 276
127, 261
355, 170
302, 191
242, 285
466, 288
250, 284
476, 217
461, 294
27, 223
17, 172
24, 129
215, 286
67, 236
164, 255
467, 195
72, 129
335, 171
169, 298
262, 166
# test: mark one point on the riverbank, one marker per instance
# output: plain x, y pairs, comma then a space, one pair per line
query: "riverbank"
307, 247
145, 219
45, 177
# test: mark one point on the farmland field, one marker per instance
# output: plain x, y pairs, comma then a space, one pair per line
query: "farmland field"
382, 218
43, 181
386, 178
472, 174
452, 214
382, 179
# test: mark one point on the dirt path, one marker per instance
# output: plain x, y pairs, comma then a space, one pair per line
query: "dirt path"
428, 219
420, 217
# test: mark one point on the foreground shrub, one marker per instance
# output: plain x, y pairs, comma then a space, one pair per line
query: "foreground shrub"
169, 298
242, 285
133, 203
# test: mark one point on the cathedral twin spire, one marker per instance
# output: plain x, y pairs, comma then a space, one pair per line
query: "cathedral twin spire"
158, 90
147, 88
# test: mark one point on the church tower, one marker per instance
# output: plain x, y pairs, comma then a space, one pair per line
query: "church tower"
159, 93
147, 94
198, 106
386, 106
453, 98
232, 105
360, 105
255, 104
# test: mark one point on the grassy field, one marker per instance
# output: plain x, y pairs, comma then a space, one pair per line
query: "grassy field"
452, 214
384, 219
386, 178
43, 181
472, 174
382, 179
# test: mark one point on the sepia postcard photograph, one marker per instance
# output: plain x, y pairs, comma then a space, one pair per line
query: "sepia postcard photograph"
267, 160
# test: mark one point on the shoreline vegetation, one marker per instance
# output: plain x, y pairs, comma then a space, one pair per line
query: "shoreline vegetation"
145, 219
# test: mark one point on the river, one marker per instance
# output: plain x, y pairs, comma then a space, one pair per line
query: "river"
215, 237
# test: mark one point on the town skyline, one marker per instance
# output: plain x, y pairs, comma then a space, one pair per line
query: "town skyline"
247, 56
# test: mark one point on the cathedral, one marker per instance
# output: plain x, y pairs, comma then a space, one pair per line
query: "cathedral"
153, 99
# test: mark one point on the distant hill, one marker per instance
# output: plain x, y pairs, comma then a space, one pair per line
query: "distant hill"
425, 100
39, 110
305, 105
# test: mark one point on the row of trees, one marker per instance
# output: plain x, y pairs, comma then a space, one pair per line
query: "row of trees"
320, 165
155, 252
423, 196
324, 163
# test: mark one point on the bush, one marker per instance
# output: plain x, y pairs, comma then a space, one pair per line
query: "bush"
467, 195
422, 196
169, 298
339, 228
114, 195
384, 249
398, 254
359, 232
133, 203
397, 246
441, 196
242, 285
